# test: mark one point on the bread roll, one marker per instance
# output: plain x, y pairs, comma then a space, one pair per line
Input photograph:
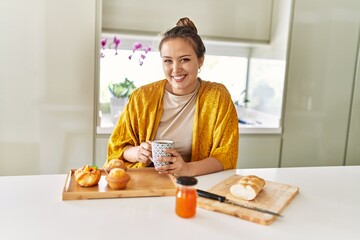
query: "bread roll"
117, 178
87, 176
115, 163
248, 187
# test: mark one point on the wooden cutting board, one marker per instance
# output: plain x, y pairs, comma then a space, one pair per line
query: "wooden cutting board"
274, 197
144, 182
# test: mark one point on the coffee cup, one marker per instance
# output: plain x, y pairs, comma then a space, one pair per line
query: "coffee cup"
158, 147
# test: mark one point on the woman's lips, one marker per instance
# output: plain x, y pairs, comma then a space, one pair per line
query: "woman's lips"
178, 78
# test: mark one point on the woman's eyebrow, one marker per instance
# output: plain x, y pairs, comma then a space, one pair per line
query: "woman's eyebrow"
185, 55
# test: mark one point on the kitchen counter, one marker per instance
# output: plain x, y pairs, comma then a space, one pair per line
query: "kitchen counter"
326, 207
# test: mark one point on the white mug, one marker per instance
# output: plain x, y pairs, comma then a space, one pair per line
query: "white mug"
157, 147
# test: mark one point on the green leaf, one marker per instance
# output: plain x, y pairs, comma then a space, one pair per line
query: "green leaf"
122, 89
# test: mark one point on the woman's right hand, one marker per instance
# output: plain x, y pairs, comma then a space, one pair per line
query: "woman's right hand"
144, 152
140, 153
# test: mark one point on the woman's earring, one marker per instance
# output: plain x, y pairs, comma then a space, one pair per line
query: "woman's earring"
199, 70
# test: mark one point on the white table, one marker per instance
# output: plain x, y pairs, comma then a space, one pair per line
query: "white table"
327, 207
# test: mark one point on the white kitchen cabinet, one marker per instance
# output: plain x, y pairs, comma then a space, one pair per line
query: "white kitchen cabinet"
323, 53
353, 149
259, 151
247, 20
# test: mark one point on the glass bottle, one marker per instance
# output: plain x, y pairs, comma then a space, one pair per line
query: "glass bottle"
186, 197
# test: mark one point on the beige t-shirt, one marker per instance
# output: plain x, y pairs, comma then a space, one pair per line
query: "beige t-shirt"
177, 121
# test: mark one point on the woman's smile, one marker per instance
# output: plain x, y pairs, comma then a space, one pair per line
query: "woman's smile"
179, 78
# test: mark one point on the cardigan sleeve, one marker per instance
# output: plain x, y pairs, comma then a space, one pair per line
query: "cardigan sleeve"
138, 122
217, 129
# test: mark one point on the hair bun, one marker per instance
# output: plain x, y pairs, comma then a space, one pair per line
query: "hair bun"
186, 22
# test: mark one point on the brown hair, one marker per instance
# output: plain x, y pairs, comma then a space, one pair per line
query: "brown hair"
185, 29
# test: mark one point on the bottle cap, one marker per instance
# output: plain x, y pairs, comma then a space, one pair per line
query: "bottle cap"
187, 181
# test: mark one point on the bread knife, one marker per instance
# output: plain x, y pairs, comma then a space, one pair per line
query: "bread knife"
223, 199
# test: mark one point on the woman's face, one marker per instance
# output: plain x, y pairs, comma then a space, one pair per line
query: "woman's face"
180, 65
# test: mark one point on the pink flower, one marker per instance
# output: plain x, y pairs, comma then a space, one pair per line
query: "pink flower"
147, 49
137, 46
116, 42
103, 43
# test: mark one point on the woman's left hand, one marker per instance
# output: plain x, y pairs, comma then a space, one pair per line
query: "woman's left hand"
178, 165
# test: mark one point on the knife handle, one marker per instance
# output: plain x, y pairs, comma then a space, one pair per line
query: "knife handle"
210, 195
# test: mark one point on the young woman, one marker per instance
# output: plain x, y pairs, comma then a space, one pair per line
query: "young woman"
199, 116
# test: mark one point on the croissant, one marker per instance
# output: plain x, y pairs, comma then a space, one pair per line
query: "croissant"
248, 187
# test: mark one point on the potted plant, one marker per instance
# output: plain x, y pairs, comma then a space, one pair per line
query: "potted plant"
120, 93
122, 89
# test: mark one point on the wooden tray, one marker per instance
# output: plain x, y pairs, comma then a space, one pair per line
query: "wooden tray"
144, 182
274, 197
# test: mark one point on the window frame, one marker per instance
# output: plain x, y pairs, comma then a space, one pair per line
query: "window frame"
213, 47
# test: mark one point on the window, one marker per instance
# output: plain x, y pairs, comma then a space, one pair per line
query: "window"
225, 64
266, 84
228, 70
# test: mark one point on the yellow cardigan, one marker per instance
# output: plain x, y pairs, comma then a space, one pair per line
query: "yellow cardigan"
215, 128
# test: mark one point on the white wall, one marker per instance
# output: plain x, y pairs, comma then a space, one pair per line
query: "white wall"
46, 85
